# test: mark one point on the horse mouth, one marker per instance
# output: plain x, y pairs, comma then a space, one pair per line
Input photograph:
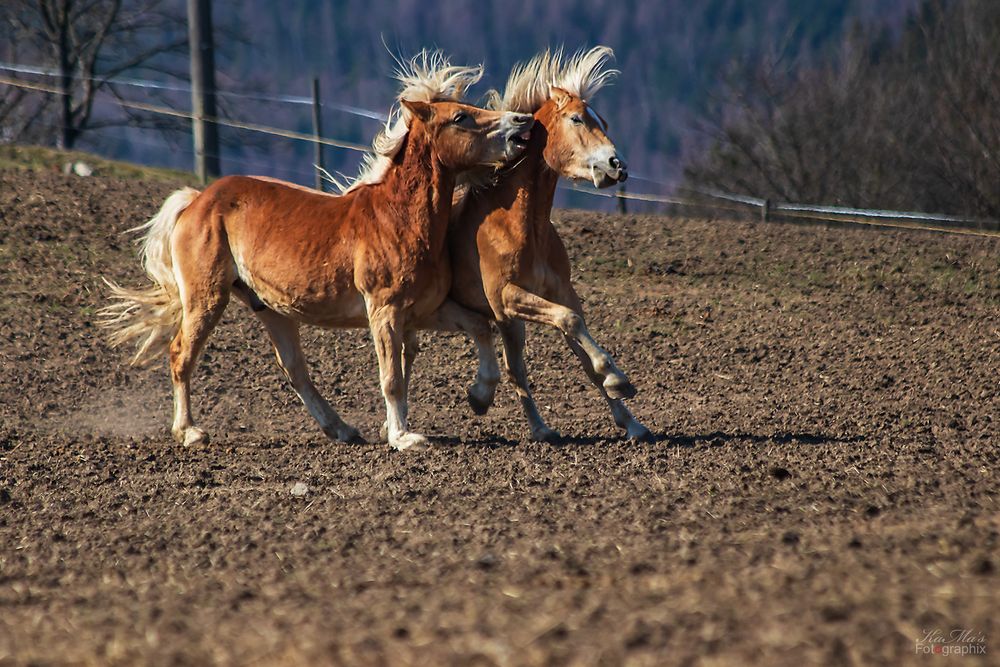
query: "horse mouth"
605, 179
520, 140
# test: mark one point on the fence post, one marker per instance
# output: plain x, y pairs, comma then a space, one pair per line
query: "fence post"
765, 210
621, 199
206, 133
318, 134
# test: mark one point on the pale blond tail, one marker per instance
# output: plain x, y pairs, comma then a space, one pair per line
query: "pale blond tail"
151, 316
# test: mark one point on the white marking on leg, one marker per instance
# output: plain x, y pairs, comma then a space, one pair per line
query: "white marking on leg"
388, 335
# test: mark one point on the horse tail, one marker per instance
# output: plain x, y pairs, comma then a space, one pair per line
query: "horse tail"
151, 316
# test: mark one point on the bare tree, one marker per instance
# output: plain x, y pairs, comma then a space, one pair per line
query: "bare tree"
964, 69
899, 122
790, 132
88, 43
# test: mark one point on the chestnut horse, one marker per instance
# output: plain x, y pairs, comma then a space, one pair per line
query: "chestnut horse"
508, 260
376, 256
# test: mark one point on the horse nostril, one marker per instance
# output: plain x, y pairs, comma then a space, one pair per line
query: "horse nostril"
615, 163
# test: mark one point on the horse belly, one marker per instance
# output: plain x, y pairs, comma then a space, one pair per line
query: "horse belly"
343, 310
467, 289
312, 297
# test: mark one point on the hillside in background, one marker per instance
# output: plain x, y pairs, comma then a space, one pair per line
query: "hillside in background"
674, 55
908, 123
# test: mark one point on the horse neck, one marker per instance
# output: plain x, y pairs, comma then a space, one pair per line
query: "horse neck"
535, 185
421, 188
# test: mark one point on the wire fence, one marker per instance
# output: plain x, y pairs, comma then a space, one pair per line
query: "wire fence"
702, 199
184, 88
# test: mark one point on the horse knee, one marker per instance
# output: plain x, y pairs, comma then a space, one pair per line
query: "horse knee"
570, 323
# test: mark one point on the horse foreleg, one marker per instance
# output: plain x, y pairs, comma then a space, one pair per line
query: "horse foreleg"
522, 304
287, 344
453, 317
411, 347
387, 330
512, 333
621, 414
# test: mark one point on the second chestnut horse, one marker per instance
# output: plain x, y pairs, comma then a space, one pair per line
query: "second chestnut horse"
508, 260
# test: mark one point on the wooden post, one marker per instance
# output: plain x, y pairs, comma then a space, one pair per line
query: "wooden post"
206, 133
68, 135
621, 199
765, 210
317, 134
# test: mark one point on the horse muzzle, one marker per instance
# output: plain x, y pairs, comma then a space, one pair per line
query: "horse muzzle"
517, 130
606, 174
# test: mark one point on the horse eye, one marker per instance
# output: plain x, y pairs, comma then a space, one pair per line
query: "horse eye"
576, 120
460, 116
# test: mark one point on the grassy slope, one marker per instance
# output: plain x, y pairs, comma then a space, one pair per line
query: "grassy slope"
41, 158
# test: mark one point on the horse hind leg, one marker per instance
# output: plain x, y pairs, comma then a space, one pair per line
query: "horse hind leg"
513, 335
203, 269
284, 334
453, 317
202, 308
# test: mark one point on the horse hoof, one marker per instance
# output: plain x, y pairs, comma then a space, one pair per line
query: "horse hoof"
344, 433
194, 436
618, 386
352, 436
478, 405
410, 442
546, 434
639, 433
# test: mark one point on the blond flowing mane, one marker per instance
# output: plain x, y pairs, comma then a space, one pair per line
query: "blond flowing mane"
529, 84
426, 77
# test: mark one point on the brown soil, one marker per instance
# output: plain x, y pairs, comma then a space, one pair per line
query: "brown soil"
824, 487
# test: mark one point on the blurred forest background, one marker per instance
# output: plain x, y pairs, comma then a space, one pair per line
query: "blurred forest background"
880, 103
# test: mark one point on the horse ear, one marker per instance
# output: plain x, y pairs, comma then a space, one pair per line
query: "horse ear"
421, 110
560, 96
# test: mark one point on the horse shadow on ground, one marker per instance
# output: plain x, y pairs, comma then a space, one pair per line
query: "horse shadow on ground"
721, 439
713, 439
488, 441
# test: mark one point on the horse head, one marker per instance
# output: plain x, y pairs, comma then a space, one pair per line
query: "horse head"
577, 145
465, 136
